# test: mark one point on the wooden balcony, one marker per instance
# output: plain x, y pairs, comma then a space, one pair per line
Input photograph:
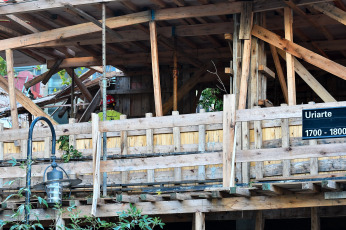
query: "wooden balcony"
174, 164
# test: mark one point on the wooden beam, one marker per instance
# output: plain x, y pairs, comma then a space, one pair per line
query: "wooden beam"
266, 71
91, 19
228, 140
84, 90
155, 69
291, 79
335, 195
300, 52
280, 72
331, 11
259, 221
245, 71
310, 80
52, 71
11, 89
245, 20
315, 219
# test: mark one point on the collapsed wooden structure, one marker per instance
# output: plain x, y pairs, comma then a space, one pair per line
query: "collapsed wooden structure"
246, 158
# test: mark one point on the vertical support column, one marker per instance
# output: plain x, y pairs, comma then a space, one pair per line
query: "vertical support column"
177, 147
199, 218
291, 82
124, 150
228, 145
150, 149
72, 112
96, 144
237, 54
258, 145
285, 138
262, 58
246, 18
254, 78
259, 221
245, 145
313, 160
72, 138
155, 66
1, 152
315, 219
201, 147
11, 89
47, 147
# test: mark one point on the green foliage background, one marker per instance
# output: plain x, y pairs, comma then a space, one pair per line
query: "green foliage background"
211, 100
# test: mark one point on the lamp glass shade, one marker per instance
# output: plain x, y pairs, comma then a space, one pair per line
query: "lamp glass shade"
54, 187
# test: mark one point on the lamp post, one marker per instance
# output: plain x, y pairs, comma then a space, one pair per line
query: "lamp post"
53, 185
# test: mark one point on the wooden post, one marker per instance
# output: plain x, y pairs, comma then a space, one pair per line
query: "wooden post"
1, 152
11, 89
279, 72
236, 58
175, 77
238, 166
315, 219
258, 145
254, 77
313, 160
245, 145
72, 138
229, 111
155, 66
23, 151
124, 150
199, 221
262, 59
285, 137
201, 147
177, 147
259, 221
291, 82
246, 18
150, 149
96, 145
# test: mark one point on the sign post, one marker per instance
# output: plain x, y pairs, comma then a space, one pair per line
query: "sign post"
324, 123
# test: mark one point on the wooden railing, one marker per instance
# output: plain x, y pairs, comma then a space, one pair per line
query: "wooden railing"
136, 156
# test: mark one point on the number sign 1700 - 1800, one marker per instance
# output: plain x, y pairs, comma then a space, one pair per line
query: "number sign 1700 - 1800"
324, 123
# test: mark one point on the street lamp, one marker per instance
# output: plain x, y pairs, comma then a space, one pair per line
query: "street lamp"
55, 178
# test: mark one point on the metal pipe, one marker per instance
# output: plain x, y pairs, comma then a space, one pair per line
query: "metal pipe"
104, 93
29, 162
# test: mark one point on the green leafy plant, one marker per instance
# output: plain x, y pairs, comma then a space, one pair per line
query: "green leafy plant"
3, 67
211, 100
65, 80
69, 151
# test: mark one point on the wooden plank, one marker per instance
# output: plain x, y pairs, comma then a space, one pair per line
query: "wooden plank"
1, 152
11, 89
254, 85
258, 145
291, 82
25, 101
335, 195
315, 219
47, 147
285, 143
155, 68
238, 191
96, 143
228, 140
310, 80
331, 11
201, 147
246, 17
237, 55
299, 51
245, 71
177, 147
245, 146
279, 72
330, 185
199, 221
124, 150
72, 138
271, 113
150, 149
